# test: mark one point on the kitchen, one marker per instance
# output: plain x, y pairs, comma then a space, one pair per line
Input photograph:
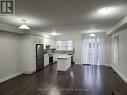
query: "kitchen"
48, 55
50, 52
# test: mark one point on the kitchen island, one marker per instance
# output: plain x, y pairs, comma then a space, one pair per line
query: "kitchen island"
63, 62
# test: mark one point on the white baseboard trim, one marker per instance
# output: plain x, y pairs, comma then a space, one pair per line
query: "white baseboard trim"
99, 65
106, 65
28, 72
120, 74
10, 76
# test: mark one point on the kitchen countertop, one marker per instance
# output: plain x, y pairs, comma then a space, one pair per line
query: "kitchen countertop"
63, 56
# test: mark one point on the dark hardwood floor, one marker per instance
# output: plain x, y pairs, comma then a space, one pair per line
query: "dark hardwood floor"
78, 80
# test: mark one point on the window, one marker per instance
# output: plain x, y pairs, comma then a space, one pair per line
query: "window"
64, 45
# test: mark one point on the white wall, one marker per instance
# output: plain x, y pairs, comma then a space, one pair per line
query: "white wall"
10, 55
77, 44
122, 67
28, 53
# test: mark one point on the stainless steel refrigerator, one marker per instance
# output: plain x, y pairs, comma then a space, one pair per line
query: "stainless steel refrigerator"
39, 57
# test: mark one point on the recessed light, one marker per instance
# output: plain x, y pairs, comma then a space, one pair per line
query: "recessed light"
105, 10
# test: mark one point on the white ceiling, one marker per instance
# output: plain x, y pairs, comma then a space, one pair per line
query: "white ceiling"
67, 16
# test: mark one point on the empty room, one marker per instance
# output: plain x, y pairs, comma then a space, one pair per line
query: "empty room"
63, 47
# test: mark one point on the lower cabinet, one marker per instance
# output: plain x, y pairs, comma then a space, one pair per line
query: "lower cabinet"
46, 60
54, 58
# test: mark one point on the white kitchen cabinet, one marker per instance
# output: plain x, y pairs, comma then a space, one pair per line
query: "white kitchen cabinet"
54, 57
63, 62
46, 60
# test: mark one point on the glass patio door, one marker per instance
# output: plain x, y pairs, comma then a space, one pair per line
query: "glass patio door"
93, 51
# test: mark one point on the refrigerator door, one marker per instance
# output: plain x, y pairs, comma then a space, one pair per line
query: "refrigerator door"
39, 57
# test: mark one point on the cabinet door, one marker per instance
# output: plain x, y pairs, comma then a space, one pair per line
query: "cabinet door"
46, 60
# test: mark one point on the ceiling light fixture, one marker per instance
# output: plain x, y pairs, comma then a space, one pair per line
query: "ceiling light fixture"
54, 33
105, 10
92, 35
24, 26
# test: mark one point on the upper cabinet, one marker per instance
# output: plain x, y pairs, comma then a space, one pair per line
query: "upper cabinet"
48, 41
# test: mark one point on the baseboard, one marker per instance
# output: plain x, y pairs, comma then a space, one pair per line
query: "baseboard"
87, 64
10, 76
28, 72
121, 75
97, 65
108, 65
